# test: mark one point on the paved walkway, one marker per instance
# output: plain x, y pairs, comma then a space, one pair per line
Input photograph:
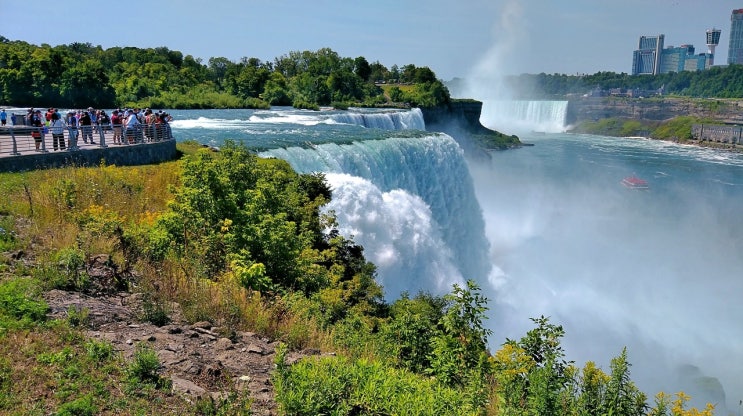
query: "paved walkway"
24, 143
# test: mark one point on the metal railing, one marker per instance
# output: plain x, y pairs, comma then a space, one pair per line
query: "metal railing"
19, 139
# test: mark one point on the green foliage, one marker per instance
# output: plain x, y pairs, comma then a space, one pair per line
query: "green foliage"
622, 397
718, 81
679, 128
258, 222
411, 330
143, 368
8, 238
339, 386
99, 351
462, 341
21, 305
76, 75
66, 271
82, 406
77, 316
154, 309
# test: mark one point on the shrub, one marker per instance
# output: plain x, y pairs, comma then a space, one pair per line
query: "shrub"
8, 239
82, 406
20, 305
154, 310
77, 316
143, 367
99, 351
67, 271
336, 385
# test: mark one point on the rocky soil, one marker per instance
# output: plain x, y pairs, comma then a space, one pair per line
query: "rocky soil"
200, 362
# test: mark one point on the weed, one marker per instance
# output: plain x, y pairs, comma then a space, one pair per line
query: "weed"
82, 406
154, 310
77, 316
142, 370
99, 351
20, 305
8, 237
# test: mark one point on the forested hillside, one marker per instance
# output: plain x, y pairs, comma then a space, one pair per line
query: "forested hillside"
719, 81
81, 75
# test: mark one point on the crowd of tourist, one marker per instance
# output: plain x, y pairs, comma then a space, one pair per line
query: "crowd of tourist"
129, 126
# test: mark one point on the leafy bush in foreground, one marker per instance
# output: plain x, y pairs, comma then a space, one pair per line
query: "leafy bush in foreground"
340, 386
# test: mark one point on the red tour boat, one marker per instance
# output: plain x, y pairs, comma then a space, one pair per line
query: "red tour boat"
633, 182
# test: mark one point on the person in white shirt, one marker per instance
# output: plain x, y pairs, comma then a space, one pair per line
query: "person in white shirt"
57, 127
131, 126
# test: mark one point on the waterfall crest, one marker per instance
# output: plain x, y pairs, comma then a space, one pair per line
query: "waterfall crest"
391, 120
525, 116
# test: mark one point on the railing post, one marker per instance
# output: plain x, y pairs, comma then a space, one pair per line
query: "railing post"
15, 145
73, 139
43, 139
102, 135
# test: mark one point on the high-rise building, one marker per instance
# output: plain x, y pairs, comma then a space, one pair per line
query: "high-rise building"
735, 47
713, 39
646, 59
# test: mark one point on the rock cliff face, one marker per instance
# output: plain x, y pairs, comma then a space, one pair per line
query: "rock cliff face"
459, 115
653, 109
460, 119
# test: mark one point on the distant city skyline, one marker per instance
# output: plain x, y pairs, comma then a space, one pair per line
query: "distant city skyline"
505, 37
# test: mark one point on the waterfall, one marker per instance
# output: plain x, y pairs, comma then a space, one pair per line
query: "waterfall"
525, 116
410, 202
390, 120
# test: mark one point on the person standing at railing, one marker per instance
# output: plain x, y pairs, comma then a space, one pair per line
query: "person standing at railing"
93, 116
86, 127
34, 120
72, 127
3, 117
48, 116
132, 124
116, 126
57, 126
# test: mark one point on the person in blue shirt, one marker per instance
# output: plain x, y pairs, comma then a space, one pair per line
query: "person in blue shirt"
3, 117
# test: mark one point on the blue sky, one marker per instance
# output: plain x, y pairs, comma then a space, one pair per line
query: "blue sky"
450, 37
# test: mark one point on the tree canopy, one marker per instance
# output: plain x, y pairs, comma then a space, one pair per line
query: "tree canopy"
82, 75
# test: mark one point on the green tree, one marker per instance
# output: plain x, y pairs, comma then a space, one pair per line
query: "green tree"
362, 69
459, 348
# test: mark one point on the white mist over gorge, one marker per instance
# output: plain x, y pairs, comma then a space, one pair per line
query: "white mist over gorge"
657, 271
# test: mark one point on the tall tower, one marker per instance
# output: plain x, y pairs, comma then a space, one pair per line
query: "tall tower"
735, 47
713, 39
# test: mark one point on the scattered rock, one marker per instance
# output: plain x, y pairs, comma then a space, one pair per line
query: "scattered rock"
202, 325
255, 349
187, 387
224, 344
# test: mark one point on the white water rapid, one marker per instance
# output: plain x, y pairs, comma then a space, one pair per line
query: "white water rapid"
410, 202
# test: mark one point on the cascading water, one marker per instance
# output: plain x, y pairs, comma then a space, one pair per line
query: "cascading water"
525, 116
410, 202
393, 120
